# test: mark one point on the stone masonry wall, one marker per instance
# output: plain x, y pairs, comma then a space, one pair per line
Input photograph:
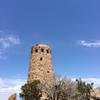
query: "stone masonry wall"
12, 97
40, 67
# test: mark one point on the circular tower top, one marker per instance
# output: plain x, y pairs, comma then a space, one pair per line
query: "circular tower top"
40, 48
41, 45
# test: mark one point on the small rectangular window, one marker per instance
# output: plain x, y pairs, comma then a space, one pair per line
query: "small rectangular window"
48, 72
36, 50
47, 51
42, 50
41, 59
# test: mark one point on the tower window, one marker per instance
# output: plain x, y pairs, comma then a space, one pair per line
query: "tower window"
36, 50
41, 59
42, 50
48, 72
47, 51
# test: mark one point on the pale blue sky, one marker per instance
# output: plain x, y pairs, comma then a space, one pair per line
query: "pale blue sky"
70, 27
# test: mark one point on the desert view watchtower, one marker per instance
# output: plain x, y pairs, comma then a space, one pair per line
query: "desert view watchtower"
40, 67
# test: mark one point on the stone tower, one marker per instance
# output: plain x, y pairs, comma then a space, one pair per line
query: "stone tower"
40, 67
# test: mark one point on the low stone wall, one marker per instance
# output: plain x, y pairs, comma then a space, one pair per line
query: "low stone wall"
12, 97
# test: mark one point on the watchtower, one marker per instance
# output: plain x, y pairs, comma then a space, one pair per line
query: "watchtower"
40, 67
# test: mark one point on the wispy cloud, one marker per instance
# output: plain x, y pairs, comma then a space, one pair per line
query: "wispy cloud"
9, 86
7, 42
96, 81
85, 43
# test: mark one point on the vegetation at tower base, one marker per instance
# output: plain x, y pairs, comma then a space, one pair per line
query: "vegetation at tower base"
31, 91
61, 89
58, 89
84, 89
66, 89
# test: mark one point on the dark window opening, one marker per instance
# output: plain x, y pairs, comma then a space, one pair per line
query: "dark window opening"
41, 59
42, 50
36, 50
47, 51
48, 72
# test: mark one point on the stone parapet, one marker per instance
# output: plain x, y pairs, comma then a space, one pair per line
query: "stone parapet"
12, 97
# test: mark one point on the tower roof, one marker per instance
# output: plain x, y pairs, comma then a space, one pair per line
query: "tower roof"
42, 45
